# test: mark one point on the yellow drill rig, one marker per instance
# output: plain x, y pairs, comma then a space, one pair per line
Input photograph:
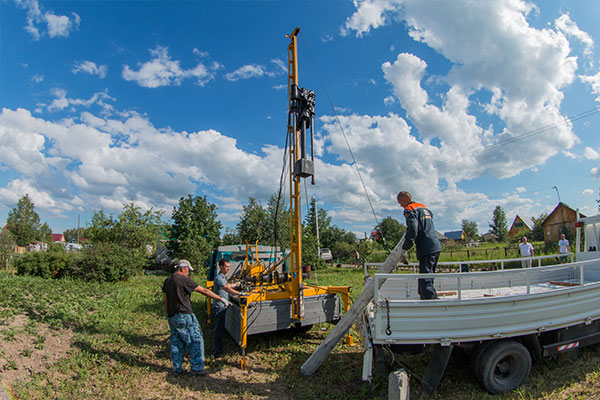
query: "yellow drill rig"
275, 296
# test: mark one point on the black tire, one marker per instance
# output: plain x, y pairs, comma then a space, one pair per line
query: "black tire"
476, 356
503, 366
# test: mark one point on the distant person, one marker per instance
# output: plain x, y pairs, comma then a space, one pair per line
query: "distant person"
356, 258
526, 251
185, 329
421, 232
219, 309
563, 248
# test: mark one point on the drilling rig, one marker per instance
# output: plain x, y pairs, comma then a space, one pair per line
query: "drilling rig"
276, 296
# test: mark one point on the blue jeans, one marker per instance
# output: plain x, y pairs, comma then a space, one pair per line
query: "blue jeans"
219, 317
186, 333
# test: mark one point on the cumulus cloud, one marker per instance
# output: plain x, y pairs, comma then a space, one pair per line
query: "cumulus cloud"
161, 70
595, 172
90, 67
55, 25
107, 161
587, 192
498, 56
591, 154
370, 14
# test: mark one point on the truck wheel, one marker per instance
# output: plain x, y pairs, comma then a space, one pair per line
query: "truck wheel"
476, 356
503, 366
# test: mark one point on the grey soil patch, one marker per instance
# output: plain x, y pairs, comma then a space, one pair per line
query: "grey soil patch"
28, 347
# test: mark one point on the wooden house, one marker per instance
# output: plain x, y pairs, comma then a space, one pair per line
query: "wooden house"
561, 219
520, 226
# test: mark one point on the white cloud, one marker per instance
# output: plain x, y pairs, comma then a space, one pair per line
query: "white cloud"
91, 68
56, 25
521, 189
162, 71
595, 172
569, 154
106, 161
370, 14
61, 25
256, 71
389, 100
61, 102
37, 78
591, 154
594, 82
587, 192
570, 28
246, 72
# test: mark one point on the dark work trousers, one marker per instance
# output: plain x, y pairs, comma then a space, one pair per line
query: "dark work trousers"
427, 265
219, 318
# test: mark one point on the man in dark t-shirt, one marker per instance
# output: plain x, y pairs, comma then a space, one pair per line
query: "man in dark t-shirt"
184, 326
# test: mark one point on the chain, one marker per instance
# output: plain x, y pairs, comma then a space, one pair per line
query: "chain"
388, 330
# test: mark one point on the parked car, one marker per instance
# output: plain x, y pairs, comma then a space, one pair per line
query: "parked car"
325, 253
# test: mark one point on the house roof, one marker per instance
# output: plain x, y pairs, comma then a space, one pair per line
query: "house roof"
454, 235
556, 208
526, 220
58, 237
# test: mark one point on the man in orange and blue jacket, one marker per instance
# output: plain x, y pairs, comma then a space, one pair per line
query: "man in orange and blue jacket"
421, 232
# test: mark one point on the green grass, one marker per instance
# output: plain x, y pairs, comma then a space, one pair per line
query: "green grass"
120, 350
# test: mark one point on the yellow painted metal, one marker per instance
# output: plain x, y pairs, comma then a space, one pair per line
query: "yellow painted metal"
295, 192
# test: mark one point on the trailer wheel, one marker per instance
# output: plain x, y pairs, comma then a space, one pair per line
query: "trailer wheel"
503, 366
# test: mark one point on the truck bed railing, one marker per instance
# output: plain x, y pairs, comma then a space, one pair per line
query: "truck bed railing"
501, 261
400, 286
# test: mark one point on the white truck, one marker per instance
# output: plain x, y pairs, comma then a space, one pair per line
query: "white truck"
505, 318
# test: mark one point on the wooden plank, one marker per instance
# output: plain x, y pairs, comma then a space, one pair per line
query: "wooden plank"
315, 360
558, 283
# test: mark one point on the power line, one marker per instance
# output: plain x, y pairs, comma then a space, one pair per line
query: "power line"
342, 129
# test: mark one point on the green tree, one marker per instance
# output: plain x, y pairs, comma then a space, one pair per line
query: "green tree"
537, 233
195, 230
24, 223
278, 217
230, 237
99, 229
391, 229
135, 229
498, 225
45, 233
7, 246
71, 234
254, 224
470, 229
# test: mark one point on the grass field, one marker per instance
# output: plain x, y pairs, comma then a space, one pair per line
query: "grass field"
65, 339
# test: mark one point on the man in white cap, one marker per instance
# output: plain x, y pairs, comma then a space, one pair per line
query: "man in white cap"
184, 326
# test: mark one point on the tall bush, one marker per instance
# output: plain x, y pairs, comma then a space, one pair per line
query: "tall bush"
108, 262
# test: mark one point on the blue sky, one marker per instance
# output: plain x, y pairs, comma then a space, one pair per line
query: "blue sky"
466, 104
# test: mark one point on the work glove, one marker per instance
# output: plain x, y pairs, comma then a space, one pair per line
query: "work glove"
403, 257
226, 302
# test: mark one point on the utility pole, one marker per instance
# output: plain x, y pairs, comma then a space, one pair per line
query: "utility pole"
562, 209
317, 227
78, 222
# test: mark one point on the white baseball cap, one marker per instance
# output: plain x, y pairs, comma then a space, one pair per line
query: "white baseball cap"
184, 263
